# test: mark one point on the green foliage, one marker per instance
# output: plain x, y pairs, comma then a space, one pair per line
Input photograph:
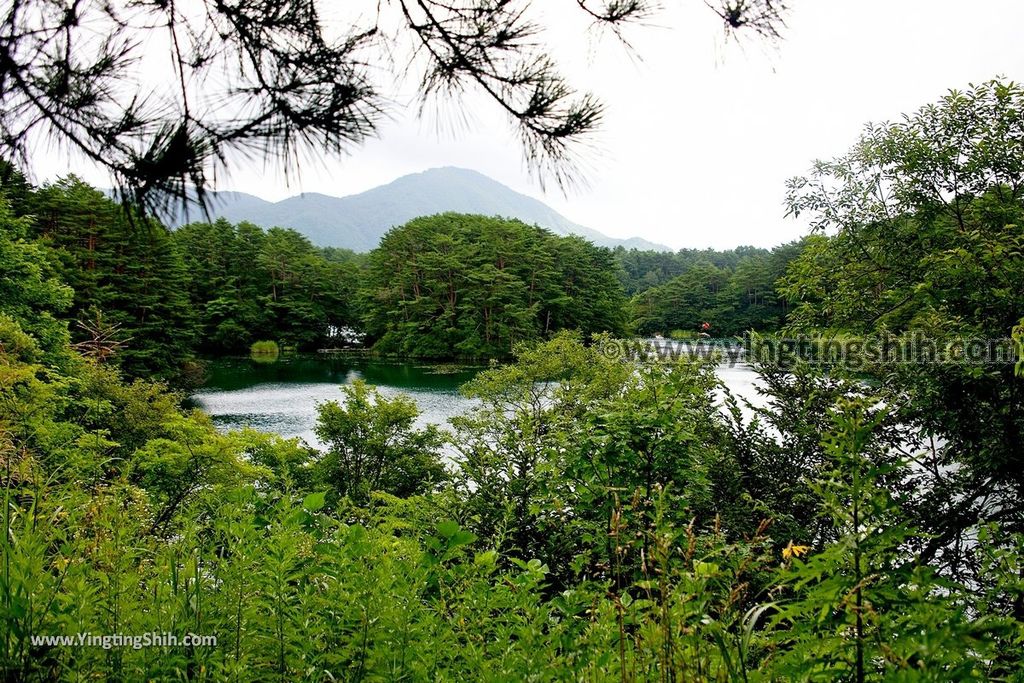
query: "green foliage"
641, 270
605, 519
861, 608
565, 437
1018, 340
124, 267
373, 445
248, 285
656, 440
918, 225
731, 291
452, 285
587, 537
512, 446
264, 350
32, 296
918, 241
149, 299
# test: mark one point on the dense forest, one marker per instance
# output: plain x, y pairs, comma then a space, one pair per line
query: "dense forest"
597, 516
454, 285
732, 291
248, 284
446, 286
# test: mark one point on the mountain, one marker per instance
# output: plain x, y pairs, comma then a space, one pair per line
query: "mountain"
359, 221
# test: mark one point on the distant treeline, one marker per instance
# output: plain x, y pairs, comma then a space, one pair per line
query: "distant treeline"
445, 286
733, 290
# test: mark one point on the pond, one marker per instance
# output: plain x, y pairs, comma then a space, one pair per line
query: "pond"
282, 396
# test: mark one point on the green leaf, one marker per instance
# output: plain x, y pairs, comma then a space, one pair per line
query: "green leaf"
705, 568
487, 558
447, 528
314, 501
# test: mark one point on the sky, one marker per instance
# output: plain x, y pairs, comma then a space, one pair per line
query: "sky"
701, 132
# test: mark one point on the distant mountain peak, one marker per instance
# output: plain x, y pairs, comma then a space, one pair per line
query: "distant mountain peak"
359, 221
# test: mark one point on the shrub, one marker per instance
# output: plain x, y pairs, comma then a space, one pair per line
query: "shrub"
264, 351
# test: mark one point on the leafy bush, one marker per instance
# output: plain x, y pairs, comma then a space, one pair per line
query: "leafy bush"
265, 348
586, 536
373, 445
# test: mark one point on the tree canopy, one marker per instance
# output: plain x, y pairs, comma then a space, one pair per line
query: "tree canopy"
918, 243
150, 300
732, 291
913, 213
248, 284
456, 285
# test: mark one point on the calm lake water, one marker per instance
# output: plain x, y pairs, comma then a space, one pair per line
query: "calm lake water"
282, 396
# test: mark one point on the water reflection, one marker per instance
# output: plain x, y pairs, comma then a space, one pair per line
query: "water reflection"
282, 397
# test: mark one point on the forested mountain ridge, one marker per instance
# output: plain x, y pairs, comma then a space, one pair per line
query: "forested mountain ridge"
359, 221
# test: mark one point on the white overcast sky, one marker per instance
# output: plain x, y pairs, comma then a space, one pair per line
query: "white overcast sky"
700, 135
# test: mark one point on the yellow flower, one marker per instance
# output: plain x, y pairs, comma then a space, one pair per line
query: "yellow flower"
794, 550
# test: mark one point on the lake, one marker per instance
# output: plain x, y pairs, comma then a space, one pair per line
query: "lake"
282, 396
